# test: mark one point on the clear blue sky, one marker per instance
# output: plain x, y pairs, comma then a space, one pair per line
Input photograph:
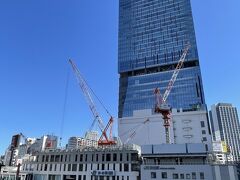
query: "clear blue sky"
38, 37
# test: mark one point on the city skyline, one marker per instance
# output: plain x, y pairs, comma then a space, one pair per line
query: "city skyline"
33, 72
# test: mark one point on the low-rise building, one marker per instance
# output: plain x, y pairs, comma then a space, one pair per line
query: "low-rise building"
111, 163
183, 161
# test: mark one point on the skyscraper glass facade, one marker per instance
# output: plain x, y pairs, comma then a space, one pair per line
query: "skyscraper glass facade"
152, 36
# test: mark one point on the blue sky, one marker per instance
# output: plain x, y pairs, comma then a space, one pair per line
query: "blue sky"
38, 37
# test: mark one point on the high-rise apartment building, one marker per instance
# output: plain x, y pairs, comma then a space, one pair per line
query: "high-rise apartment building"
225, 127
152, 36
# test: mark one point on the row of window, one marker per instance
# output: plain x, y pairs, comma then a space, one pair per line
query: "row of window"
84, 157
84, 167
164, 175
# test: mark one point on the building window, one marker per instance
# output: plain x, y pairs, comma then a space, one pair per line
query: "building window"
86, 167
103, 166
103, 157
52, 158
108, 157
85, 157
114, 157
120, 156
127, 157
153, 175
96, 157
45, 167
203, 132
74, 167
126, 167
76, 157
47, 157
81, 157
80, 168
188, 176
202, 124
120, 167
181, 176
57, 158
175, 176
69, 167
164, 175
194, 176
79, 177
201, 175
43, 158
204, 139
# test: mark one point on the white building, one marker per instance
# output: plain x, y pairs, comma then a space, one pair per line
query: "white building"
186, 127
183, 161
110, 163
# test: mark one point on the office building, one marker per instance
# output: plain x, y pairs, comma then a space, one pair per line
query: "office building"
225, 127
152, 36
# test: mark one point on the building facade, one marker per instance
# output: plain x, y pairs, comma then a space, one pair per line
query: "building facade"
183, 161
225, 127
152, 36
112, 163
186, 127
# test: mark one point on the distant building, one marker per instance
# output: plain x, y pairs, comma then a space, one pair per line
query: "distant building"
226, 127
90, 140
186, 127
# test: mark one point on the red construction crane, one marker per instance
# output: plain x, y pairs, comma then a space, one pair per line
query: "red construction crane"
87, 93
161, 101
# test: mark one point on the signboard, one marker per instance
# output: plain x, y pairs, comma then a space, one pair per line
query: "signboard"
103, 173
157, 168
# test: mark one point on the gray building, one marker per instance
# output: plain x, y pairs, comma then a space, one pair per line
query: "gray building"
225, 127
183, 161
152, 36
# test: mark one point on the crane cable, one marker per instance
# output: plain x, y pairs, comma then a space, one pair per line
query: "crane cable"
64, 107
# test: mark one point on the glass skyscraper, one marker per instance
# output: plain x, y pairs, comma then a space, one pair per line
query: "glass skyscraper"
152, 36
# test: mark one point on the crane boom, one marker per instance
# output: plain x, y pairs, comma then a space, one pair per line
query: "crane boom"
135, 132
86, 91
175, 74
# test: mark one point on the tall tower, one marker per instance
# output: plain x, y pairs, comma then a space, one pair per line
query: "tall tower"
225, 127
152, 36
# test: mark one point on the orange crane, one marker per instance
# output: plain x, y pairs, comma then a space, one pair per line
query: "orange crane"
161, 101
104, 138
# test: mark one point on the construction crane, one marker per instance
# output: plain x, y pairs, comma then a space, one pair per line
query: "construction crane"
132, 135
104, 138
161, 101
